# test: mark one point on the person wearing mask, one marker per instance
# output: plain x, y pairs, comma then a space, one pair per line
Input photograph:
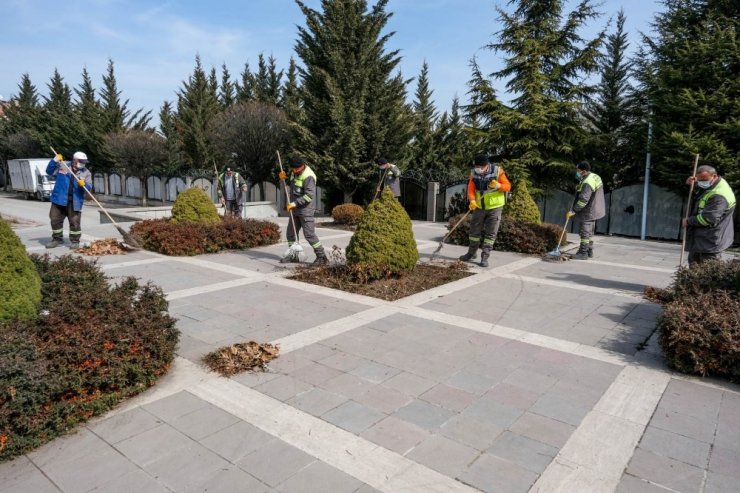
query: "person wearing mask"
68, 197
709, 226
231, 186
487, 187
302, 182
589, 207
390, 176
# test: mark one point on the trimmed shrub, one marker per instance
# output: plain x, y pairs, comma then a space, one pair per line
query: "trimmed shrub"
383, 244
700, 334
98, 345
522, 206
18, 277
194, 206
707, 277
348, 214
183, 239
513, 235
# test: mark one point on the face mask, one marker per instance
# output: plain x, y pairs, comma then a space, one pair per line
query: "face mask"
704, 184
579, 176
479, 170
80, 165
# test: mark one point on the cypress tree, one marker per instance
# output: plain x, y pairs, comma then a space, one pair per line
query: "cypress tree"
89, 114
62, 129
423, 150
168, 130
116, 114
227, 91
245, 90
267, 80
23, 125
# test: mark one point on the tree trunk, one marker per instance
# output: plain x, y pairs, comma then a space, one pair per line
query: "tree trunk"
348, 196
145, 192
261, 186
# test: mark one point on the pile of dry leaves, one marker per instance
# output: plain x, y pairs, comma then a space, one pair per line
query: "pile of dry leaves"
240, 357
107, 246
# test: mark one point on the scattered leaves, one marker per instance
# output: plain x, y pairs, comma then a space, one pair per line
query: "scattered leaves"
107, 246
240, 357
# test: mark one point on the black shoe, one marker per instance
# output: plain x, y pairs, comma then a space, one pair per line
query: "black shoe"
54, 243
321, 260
581, 254
484, 262
74, 245
468, 256
590, 249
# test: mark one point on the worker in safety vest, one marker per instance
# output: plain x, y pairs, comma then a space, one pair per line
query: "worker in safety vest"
487, 187
589, 207
709, 227
230, 190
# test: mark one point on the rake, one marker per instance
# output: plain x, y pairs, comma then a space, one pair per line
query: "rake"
688, 211
295, 251
439, 247
131, 241
382, 179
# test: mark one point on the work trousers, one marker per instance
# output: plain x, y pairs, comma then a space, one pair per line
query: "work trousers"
586, 231
234, 208
696, 258
484, 228
57, 213
309, 231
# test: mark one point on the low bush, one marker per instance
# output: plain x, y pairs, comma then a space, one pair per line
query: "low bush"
194, 206
513, 235
182, 239
21, 291
522, 206
95, 345
348, 214
700, 326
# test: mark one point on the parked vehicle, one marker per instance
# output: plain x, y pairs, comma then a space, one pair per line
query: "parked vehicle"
29, 176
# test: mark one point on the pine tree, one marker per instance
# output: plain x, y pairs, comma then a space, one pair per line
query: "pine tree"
116, 114
612, 114
197, 103
62, 128
423, 151
88, 112
484, 130
692, 84
546, 60
23, 126
245, 90
169, 131
292, 105
355, 107
267, 80
227, 92
452, 144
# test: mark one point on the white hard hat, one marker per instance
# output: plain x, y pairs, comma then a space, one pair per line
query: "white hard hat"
80, 156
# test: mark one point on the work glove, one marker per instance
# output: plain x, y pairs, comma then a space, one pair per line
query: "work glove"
494, 185
473, 205
569, 214
81, 182
291, 206
283, 176
58, 158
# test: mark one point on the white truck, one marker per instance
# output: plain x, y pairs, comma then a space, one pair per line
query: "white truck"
29, 176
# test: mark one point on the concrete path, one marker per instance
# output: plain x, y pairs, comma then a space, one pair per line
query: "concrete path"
524, 377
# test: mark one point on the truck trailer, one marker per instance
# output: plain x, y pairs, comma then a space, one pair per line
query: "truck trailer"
29, 176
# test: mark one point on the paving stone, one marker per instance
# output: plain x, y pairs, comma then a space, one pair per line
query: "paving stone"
543, 429
443, 455
719, 483
315, 373
691, 399
384, 399
150, 445
725, 461
494, 475
683, 424
473, 383
320, 478
424, 414
204, 421
237, 441
410, 384
284, 387
289, 363
512, 395
316, 352
230, 480
255, 378
20, 474
353, 416
395, 434
184, 467
124, 425
261, 463
560, 409
631, 484
342, 361
375, 372
469, 431
348, 385
523, 451
664, 471
84, 473
174, 406
367, 489
37, 483
135, 481
78, 444
675, 446
316, 401
448, 397
728, 435
575, 393
492, 411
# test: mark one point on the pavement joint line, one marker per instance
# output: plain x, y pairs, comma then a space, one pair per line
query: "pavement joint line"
228, 269
322, 290
632, 266
573, 285
603, 444
372, 464
209, 288
133, 263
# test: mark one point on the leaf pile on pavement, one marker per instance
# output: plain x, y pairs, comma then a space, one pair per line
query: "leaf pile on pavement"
240, 357
107, 246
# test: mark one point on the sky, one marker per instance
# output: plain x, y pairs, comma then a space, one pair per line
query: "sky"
153, 43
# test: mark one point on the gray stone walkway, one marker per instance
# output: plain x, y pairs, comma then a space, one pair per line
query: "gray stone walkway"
524, 377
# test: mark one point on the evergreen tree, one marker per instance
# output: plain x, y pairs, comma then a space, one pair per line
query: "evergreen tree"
227, 92
62, 129
245, 91
452, 144
355, 106
168, 130
23, 126
423, 151
291, 104
267, 80
197, 103
89, 114
116, 114
483, 113
546, 61
692, 84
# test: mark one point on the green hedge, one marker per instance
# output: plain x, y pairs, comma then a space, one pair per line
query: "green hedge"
513, 235
194, 206
21, 285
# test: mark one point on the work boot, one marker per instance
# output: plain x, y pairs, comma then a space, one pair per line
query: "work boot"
582, 253
472, 253
287, 259
74, 245
590, 249
54, 243
320, 260
484, 258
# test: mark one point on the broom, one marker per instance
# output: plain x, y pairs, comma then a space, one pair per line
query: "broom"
688, 211
295, 251
131, 241
439, 247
